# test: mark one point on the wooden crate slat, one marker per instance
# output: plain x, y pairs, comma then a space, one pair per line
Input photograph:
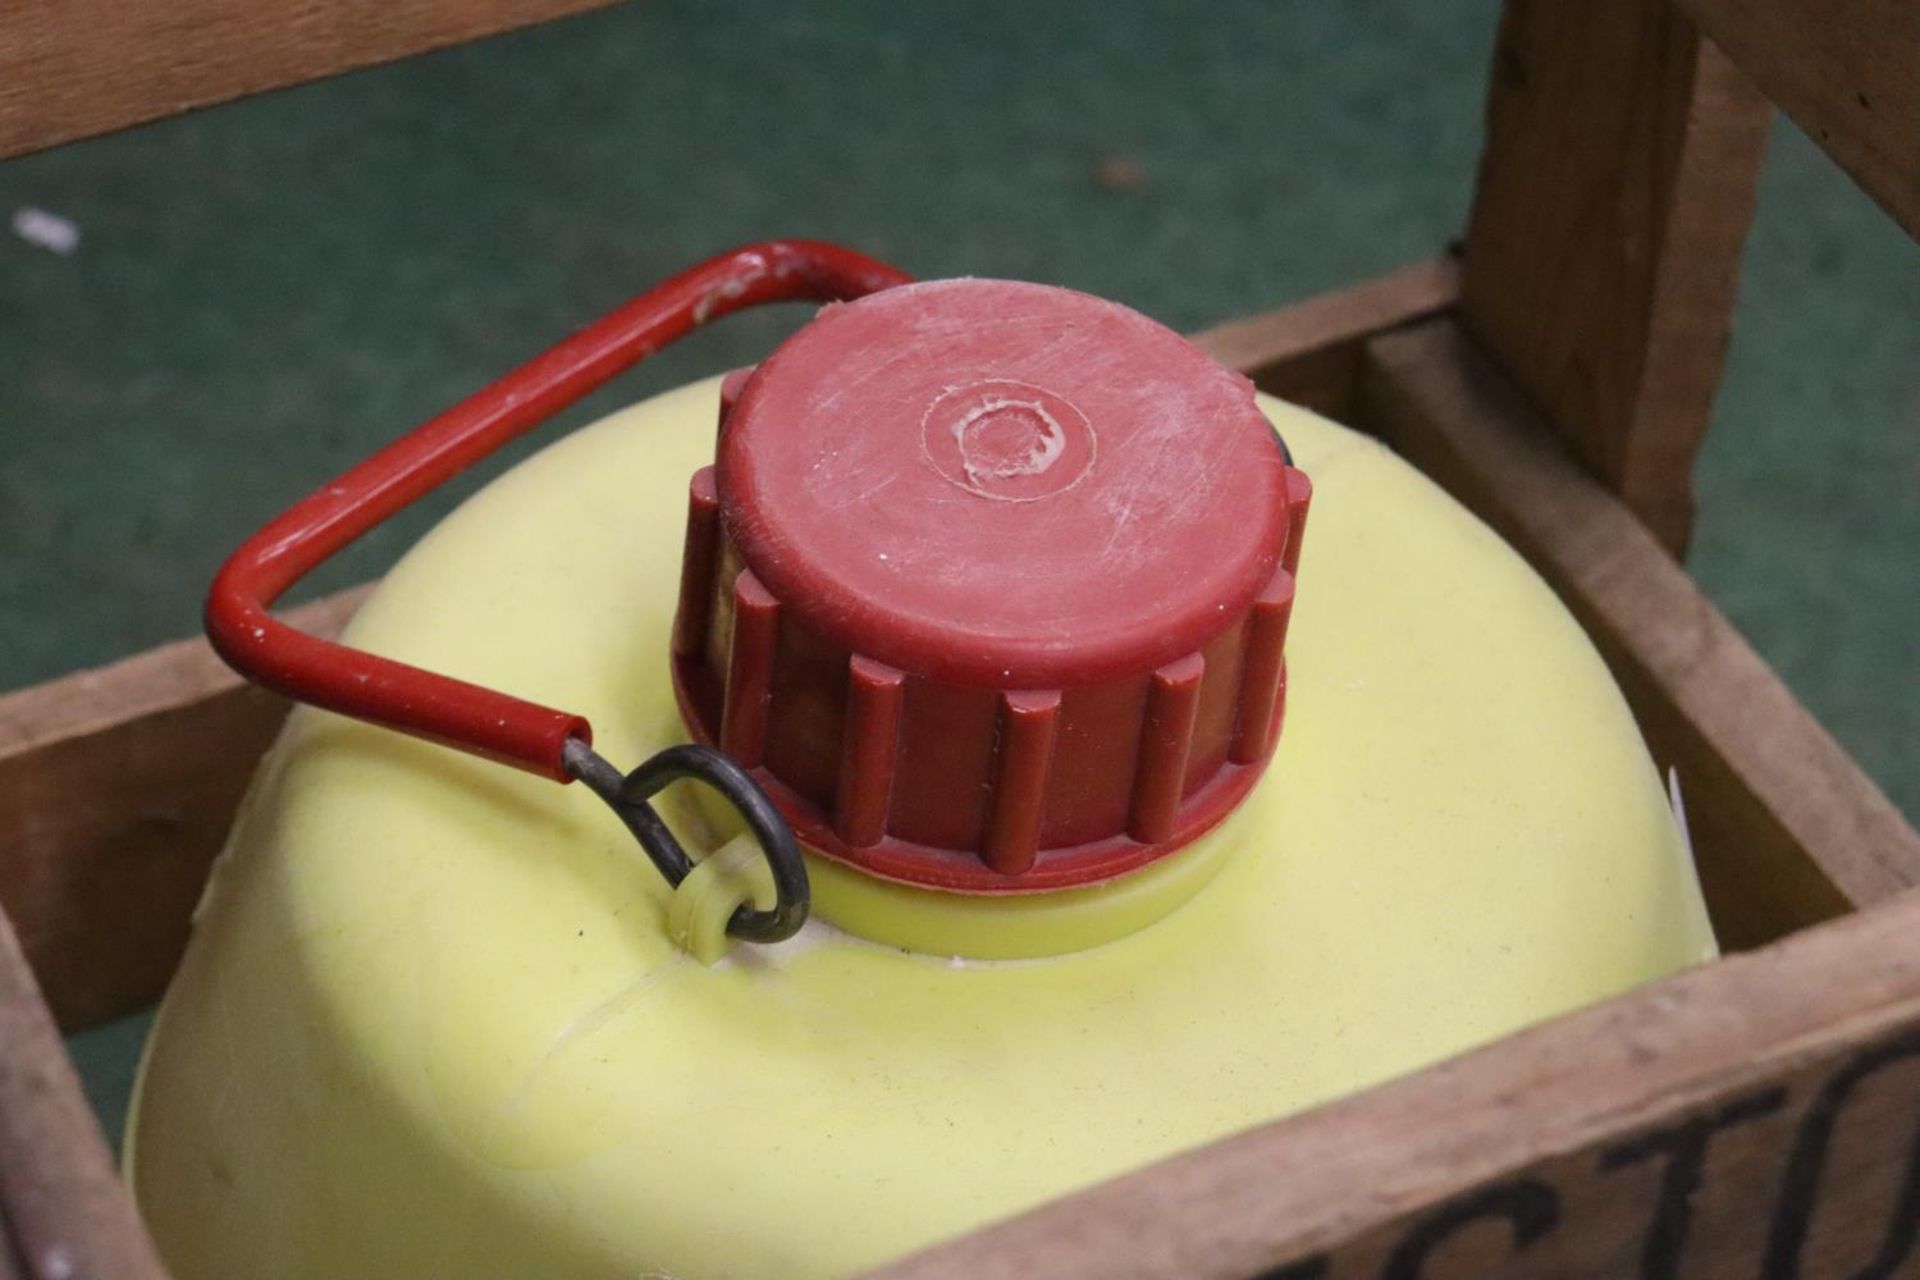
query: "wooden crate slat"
116, 787
1309, 353
74, 68
64, 1209
1848, 74
1616, 187
1791, 1075
1787, 828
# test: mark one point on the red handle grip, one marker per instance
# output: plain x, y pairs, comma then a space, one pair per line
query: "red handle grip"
440, 708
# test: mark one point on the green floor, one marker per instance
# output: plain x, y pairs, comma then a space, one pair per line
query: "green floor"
264, 292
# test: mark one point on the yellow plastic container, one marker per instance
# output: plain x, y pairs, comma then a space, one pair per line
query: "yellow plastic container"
433, 1023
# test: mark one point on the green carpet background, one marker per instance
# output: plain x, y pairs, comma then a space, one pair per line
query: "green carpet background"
265, 292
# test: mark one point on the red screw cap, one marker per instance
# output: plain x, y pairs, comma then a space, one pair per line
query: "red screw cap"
989, 586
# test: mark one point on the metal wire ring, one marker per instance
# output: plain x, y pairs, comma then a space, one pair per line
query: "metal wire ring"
628, 796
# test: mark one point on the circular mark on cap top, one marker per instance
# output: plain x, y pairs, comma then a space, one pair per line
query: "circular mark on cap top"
1007, 440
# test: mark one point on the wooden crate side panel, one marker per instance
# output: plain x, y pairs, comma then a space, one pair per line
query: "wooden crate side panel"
1787, 828
1603, 250
1309, 353
1848, 74
116, 787
60, 1203
74, 68
1743, 1119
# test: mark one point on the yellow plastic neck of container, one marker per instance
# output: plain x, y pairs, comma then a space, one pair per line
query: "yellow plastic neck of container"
1026, 926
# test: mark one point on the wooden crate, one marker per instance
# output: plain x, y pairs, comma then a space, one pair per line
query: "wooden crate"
1743, 1119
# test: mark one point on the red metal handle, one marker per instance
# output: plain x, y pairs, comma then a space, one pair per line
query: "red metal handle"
440, 708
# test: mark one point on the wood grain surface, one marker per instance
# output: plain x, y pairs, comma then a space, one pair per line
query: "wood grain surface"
71, 69
61, 1205
1848, 74
1616, 187
116, 788
1309, 353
